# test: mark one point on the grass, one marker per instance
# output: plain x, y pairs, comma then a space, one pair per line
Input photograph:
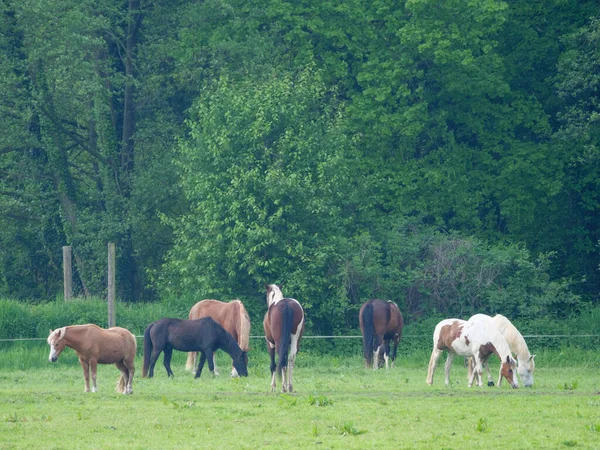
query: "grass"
338, 404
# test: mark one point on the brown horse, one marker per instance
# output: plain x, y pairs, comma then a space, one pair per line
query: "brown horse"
232, 316
284, 325
94, 345
381, 322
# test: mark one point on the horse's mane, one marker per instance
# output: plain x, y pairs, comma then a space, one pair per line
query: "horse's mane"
244, 324
513, 337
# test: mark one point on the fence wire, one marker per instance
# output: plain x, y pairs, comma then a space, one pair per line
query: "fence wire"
413, 336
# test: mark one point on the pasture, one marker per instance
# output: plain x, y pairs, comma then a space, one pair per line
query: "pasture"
338, 404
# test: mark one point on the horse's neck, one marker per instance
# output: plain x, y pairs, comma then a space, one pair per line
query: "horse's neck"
228, 344
74, 337
501, 346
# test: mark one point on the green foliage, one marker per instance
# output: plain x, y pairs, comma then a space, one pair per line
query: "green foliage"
441, 156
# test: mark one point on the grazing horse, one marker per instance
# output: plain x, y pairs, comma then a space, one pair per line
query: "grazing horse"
232, 316
380, 322
283, 325
477, 337
518, 346
94, 345
203, 335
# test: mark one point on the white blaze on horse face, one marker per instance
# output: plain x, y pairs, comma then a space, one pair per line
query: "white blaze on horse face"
56, 343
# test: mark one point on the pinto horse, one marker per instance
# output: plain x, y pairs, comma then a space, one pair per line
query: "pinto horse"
381, 322
232, 316
518, 346
477, 338
94, 345
203, 335
283, 325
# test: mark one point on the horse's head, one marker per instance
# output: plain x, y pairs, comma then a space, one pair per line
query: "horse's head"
508, 371
274, 293
57, 343
241, 364
526, 371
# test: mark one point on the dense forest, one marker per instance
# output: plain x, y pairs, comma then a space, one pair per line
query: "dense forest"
441, 154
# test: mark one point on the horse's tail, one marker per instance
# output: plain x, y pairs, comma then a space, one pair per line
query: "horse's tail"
244, 331
286, 336
121, 384
368, 333
147, 350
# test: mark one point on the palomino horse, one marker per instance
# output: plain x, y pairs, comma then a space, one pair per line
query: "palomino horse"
232, 316
518, 346
284, 325
478, 338
380, 322
203, 335
94, 345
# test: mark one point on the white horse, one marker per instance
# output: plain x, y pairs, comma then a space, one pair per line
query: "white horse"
477, 338
518, 347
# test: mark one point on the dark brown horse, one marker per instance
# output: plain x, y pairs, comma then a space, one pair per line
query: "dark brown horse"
381, 322
203, 335
95, 345
232, 316
284, 325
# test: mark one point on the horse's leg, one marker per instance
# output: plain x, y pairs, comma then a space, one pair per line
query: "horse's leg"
433, 360
395, 354
477, 371
215, 371
153, 358
93, 368
200, 364
447, 366
490, 381
499, 375
386, 357
271, 349
131, 367
86, 373
168, 353
211, 361
376, 354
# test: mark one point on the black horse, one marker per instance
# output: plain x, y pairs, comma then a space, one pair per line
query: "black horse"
200, 335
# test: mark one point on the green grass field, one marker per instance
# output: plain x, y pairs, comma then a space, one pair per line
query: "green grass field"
338, 404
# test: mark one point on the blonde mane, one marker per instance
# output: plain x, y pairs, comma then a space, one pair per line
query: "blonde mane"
513, 337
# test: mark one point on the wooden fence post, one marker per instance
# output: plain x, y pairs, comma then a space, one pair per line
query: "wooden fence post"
67, 273
111, 284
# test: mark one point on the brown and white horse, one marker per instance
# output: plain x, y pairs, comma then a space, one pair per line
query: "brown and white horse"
283, 325
477, 338
518, 346
232, 316
381, 322
94, 345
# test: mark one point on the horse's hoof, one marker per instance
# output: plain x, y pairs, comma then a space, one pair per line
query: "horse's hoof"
490, 383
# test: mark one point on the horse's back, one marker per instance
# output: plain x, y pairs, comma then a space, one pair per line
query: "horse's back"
447, 332
274, 317
112, 344
225, 314
386, 317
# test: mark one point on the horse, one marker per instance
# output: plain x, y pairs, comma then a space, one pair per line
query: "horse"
381, 322
94, 345
203, 335
283, 325
232, 316
477, 338
518, 346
